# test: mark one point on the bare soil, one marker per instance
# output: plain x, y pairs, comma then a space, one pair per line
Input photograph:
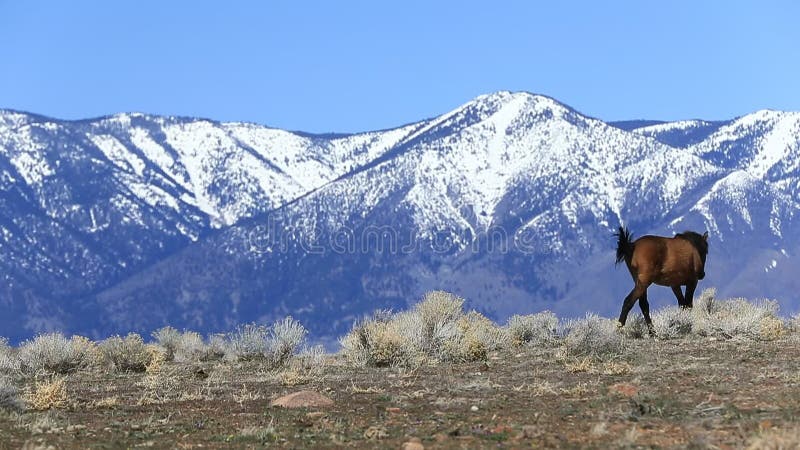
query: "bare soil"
693, 393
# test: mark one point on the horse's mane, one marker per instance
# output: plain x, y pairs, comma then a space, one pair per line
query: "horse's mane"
695, 239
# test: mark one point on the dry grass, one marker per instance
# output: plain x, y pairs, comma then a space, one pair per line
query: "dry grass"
780, 439
160, 387
293, 377
9, 395
107, 402
47, 394
579, 365
615, 368
262, 435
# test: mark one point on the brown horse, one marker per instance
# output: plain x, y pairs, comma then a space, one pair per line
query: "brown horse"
674, 262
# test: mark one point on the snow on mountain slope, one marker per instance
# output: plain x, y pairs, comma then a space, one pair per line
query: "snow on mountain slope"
87, 203
138, 221
510, 166
682, 133
757, 143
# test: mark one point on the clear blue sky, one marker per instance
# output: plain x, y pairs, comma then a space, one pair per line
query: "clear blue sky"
352, 66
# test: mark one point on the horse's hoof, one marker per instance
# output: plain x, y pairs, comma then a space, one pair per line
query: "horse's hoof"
619, 325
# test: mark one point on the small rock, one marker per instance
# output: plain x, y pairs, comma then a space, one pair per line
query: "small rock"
72, 428
473, 408
393, 410
413, 444
439, 437
302, 399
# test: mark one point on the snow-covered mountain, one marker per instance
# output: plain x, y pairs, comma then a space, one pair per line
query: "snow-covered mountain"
131, 222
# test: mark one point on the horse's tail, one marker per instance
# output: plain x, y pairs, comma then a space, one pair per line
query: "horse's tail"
624, 245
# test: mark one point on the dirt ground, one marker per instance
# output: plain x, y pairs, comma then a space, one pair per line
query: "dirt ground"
692, 393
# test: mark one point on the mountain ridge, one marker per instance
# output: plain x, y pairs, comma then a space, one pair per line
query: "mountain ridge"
188, 193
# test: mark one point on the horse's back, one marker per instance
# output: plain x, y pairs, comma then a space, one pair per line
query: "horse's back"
648, 252
664, 261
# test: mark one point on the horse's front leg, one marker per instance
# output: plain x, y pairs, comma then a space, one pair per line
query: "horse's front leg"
690, 287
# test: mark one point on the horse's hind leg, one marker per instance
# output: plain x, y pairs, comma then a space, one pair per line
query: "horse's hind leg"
638, 290
645, 306
690, 287
679, 295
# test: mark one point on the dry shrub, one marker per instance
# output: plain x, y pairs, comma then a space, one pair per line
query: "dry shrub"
276, 344
128, 354
85, 346
189, 346
285, 338
388, 345
739, 318
169, 338
704, 303
476, 336
311, 360
436, 329
673, 322
216, 348
157, 356
248, 341
736, 318
53, 353
778, 439
9, 396
436, 308
48, 394
538, 329
382, 340
635, 327
593, 336
771, 328
9, 361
